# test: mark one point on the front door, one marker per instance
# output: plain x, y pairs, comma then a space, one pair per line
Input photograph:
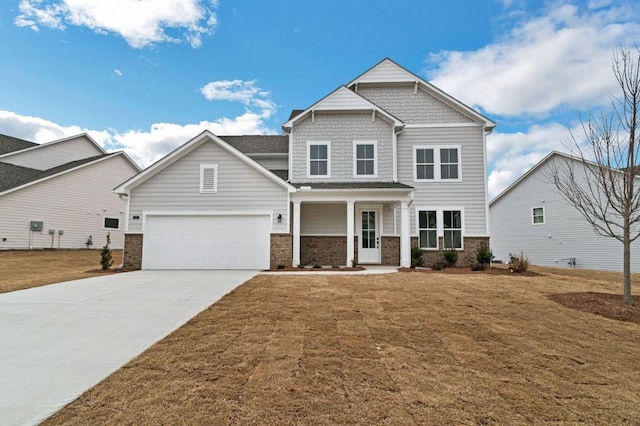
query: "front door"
369, 235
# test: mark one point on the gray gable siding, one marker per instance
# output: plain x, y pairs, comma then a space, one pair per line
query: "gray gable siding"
564, 234
410, 107
341, 130
240, 187
468, 194
56, 154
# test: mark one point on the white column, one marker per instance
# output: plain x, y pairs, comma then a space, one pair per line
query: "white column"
405, 239
350, 233
296, 234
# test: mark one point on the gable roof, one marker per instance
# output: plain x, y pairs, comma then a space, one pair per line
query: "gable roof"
388, 71
11, 144
47, 144
343, 99
186, 148
259, 144
14, 177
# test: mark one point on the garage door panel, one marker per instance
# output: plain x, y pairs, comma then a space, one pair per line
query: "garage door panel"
206, 242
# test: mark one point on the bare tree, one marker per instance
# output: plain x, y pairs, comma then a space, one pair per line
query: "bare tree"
606, 189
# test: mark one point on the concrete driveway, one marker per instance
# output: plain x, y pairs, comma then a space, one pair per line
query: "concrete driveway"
59, 340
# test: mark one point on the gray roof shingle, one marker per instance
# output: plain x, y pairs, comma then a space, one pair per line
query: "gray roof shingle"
259, 144
353, 185
10, 144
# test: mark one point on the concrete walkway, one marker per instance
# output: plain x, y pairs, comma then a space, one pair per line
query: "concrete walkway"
369, 270
59, 340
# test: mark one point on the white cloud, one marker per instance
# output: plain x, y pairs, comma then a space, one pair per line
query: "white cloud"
140, 23
242, 91
560, 59
143, 146
117, 72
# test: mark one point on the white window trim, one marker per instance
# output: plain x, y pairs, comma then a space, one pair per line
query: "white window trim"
544, 216
308, 159
355, 159
436, 162
104, 219
204, 167
440, 223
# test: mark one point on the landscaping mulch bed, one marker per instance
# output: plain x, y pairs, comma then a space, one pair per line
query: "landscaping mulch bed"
604, 304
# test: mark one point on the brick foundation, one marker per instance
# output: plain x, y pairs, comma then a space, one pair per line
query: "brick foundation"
323, 250
281, 250
466, 257
390, 251
132, 257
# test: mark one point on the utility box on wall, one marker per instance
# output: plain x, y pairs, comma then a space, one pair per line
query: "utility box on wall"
36, 226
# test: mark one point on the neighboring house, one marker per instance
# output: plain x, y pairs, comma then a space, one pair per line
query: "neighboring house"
531, 216
375, 166
57, 194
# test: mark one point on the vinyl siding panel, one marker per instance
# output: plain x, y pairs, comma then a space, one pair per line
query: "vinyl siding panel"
384, 72
468, 194
48, 156
240, 187
564, 234
76, 202
331, 219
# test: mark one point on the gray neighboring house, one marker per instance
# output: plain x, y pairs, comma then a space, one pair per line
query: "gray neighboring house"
57, 194
382, 163
531, 216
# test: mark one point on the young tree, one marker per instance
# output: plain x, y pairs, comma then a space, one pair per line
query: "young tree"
606, 191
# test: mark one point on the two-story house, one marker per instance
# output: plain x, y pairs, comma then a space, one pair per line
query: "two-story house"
383, 163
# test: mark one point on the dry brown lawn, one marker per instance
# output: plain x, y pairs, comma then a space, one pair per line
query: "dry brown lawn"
20, 269
405, 348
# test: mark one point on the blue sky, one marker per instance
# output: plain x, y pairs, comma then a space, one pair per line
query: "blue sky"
147, 75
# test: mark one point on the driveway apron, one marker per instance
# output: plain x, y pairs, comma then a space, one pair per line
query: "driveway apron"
59, 340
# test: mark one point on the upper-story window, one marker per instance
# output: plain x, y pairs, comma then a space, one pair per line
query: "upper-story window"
319, 159
537, 215
437, 163
208, 178
364, 157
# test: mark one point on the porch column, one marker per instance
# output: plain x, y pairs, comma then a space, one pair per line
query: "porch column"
405, 239
296, 234
350, 233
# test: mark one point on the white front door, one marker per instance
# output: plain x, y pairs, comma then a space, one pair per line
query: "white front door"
369, 235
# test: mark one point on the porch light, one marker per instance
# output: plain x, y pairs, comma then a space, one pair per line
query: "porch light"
279, 217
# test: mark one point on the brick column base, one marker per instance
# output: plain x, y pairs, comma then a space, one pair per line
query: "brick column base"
281, 250
132, 257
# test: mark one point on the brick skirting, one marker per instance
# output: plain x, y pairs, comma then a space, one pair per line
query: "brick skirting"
132, 257
281, 250
323, 250
466, 257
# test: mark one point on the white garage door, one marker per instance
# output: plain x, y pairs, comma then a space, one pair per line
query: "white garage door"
206, 242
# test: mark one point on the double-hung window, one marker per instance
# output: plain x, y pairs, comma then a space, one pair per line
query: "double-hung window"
437, 163
364, 154
319, 156
437, 223
452, 224
537, 215
427, 229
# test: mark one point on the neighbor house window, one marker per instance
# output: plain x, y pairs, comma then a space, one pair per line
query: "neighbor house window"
452, 224
208, 178
437, 163
111, 223
365, 159
537, 214
319, 155
427, 229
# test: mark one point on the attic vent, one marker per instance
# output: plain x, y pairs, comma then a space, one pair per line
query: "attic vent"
208, 178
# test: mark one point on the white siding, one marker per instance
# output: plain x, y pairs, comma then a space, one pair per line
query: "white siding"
323, 219
76, 202
386, 71
240, 187
468, 194
564, 234
387, 220
48, 156
342, 99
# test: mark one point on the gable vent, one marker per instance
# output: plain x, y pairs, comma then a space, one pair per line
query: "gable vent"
208, 178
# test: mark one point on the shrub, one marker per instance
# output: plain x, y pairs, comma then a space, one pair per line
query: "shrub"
105, 254
438, 266
280, 266
417, 257
518, 263
450, 256
479, 267
484, 256
89, 241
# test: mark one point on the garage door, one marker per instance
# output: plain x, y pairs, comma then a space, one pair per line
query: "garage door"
206, 242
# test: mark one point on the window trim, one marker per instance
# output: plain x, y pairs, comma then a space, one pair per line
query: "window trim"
355, 159
104, 224
440, 224
436, 162
533, 222
204, 167
308, 159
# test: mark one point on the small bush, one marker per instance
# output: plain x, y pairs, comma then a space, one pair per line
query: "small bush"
518, 263
280, 266
484, 255
438, 266
450, 256
417, 257
105, 254
479, 267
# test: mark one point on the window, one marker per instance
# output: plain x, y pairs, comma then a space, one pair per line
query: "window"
111, 222
365, 159
208, 178
424, 164
452, 224
427, 229
537, 215
319, 155
437, 163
